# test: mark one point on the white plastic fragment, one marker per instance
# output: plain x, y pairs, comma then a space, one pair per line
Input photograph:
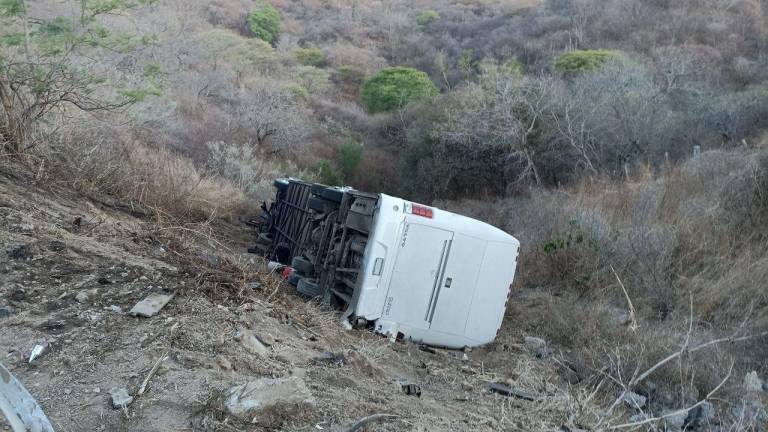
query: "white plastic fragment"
36, 352
21, 410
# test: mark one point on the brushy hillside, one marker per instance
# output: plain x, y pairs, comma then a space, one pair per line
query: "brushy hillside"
622, 141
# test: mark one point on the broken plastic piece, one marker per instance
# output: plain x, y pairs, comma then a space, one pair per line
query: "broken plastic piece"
152, 304
36, 352
19, 407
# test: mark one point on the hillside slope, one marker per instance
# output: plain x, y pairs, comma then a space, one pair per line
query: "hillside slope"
72, 267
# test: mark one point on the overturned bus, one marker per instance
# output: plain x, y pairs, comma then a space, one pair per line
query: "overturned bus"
403, 269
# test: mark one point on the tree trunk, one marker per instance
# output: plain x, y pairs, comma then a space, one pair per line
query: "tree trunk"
15, 128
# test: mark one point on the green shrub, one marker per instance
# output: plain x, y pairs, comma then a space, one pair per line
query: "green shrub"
327, 173
426, 17
350, 156
580, 61
396, 87
297, 91
265, 22
310, 56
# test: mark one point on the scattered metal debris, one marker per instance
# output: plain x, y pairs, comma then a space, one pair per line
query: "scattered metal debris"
356, 426
19, 407
427, 349
506, 390
152, 304
412, 389
331, 358
37, 351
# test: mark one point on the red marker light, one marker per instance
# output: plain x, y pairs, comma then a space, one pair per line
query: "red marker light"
423, 211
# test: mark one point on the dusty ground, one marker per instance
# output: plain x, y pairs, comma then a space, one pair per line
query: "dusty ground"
55, 245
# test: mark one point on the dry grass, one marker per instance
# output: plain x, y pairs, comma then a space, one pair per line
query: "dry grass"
150, 181
688, 243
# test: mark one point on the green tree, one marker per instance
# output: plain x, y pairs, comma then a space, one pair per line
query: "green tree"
49, 64
350, 156
396, 87
427, 17
580, 61
310, 56
265, 22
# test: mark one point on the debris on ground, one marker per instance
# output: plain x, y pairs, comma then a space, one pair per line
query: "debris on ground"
37, 351
152, 304
253, 399
506, 390
411, 389
634, 400
753, 383
251, 342
120, 398
537, 346
330, 359
20, 409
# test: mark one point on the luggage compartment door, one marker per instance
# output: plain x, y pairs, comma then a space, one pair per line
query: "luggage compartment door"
422, 255
457, 285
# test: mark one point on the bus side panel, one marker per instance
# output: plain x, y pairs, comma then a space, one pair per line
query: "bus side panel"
493, 285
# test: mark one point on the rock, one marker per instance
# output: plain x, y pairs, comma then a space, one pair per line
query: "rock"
537, 346
252, 343
675, 422
250, 400
152, 304
82, 297
701, 416
753, 383
411, 389
56, 245
22, 252
634, 400
120, 398
330, 358
115, 309
6, 311
224, 363
23, 227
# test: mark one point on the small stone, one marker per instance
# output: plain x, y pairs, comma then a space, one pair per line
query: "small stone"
82, 297
753, 383
252, 343
675, 422
5, 311
634, 400
120, 398
224, 363
97, 390
22, 252
330, 358
701, 416
116, 309
536, 346
67, 391
56, 245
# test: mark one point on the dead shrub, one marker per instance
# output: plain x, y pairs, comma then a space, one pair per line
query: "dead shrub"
164, 184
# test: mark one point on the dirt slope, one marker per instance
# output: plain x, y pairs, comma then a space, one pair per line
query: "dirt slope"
56, 246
